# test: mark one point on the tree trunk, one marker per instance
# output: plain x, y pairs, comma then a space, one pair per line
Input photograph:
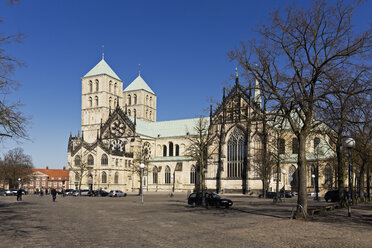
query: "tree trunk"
340, 174
369, 182
361, 182
302, 168
263, 188
277, 180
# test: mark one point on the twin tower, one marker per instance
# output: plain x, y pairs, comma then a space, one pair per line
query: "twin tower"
102, 91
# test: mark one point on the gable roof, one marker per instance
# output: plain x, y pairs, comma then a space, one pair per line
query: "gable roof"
102, 68
55, 173
139, 84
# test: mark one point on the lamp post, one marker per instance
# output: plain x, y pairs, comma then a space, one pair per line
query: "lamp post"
284, 172
19, 182
313, 180
141, 166
349, 143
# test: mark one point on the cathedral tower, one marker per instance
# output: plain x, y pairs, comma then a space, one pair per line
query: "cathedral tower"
140, 100
101, 92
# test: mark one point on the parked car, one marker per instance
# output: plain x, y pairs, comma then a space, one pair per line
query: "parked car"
11, 192
287, 194
69, 191
211, 199
99, 193
333, 195
83, 192
117, 193
313, 194
268, 195
2, 192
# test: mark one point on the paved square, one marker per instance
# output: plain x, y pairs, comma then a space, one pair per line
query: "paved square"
170, 222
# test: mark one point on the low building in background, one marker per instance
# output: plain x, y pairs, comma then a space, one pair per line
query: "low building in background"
46, 179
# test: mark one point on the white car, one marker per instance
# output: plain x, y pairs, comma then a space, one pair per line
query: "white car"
313, 194
117, 193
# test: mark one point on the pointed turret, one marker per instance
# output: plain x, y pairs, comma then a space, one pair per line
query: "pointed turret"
257, 94
102, 68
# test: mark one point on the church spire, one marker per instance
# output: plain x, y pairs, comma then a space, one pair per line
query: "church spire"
236, 75
139, 69
103, 52
257, 94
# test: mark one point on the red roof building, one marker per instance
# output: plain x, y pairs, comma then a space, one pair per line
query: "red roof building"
46, 179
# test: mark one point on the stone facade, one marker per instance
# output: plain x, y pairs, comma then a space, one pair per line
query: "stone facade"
119, 131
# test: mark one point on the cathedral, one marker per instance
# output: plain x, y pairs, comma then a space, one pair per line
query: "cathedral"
119, 131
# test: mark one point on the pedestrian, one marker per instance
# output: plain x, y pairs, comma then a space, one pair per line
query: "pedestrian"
19, 194
41, 192
54, 194
46, 191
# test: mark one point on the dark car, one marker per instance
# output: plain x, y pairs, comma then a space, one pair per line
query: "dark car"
268, 195
333, 195
211, 200
99, 193
287, 194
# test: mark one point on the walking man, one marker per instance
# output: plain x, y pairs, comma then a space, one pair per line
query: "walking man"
54, 194
19, 194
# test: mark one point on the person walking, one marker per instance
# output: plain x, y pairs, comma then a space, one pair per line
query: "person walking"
54, 194
19, 194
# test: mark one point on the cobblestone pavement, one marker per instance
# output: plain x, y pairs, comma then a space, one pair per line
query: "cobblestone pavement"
170, 222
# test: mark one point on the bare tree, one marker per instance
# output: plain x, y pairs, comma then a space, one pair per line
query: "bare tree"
292, 59
142, 157
12, 120
81, 169
200, 150
14, 165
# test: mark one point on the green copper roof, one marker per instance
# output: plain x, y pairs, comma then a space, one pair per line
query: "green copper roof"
139, 84
163, 129
102, 68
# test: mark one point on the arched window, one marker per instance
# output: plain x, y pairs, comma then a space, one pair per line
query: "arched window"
115, 102
116, 162
115, 88
177, 150
147, 113
164, 150
316, 143
116, 179
170, 149
294, 146
236, 152
104, 177
167, 175
97, 85
110, 102
129, 100
104, 159
155, 175
150, 100
134, 112
110, 86
77, 178
96, 99
90, 160
192, 175
129, 113
90, 102
77, 160
147, 100
150, 117
135, 98
281, 146
90, 86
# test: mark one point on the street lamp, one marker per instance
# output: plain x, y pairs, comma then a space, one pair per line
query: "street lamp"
349, 143
141, 166
313, 181
284, 172
19, 182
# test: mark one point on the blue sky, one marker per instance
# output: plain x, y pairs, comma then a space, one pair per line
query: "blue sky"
181, 46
